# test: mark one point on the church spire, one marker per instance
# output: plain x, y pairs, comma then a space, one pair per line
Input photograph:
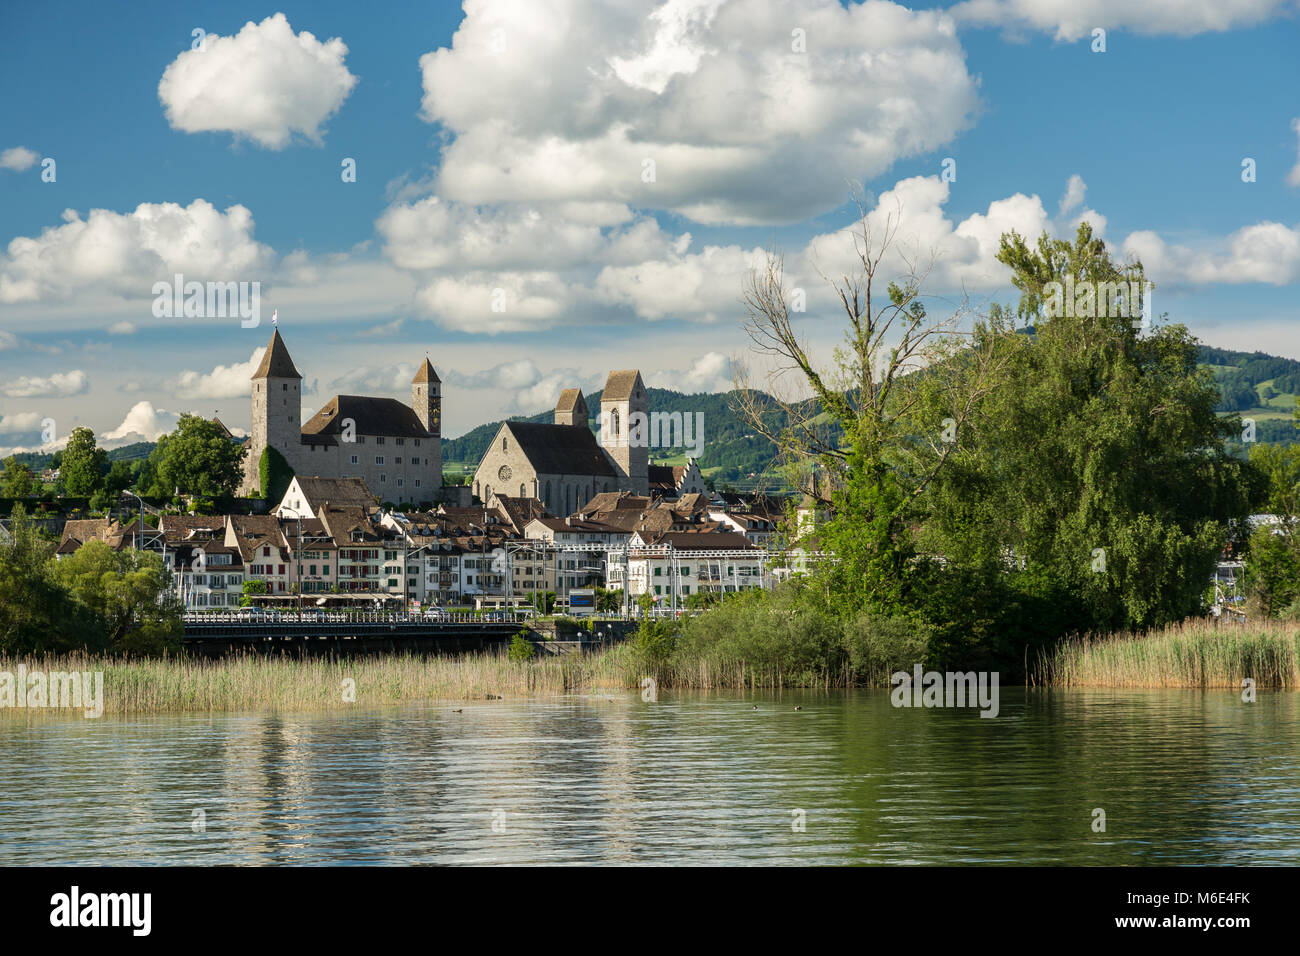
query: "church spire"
276, 362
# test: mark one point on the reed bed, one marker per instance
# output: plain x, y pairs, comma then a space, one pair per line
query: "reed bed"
259, 683
1195, 653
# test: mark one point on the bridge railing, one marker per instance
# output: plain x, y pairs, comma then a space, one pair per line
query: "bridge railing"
353, 617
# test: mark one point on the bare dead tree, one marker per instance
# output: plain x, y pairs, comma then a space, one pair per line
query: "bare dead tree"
871, 390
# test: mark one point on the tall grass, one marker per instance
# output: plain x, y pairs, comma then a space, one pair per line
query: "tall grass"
257, 683
1195, 653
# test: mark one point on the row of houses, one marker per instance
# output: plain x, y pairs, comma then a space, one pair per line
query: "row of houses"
327, 537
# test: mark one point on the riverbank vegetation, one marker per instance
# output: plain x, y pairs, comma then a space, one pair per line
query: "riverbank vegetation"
996, 482
1194, 654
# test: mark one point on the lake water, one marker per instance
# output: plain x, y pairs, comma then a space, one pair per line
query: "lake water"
1183, 777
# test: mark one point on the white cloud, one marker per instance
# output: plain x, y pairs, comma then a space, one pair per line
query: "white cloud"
1073, 19
264, 83
499, 302
1293, 177
17, 423
142, 423
224, 381
7, 340
1267, 252
122, 328
711, 372
366, 379
58, 385
127, 253
706, 286
716, 95
19, 158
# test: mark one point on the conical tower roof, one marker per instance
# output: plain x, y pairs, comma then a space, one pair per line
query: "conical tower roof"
275, 361
425, 373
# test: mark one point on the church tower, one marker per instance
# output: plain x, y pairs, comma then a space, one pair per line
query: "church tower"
625, 428
571, 409
426, 402
277, 410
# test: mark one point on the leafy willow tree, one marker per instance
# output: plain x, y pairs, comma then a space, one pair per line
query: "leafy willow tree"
195, 459
81, 470
1099, 473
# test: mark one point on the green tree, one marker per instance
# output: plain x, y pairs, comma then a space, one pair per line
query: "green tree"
37, 615
861, 432
252, 587
122, 589
196, 459
274, 474
121, 475
82, 469
1098, 470
17, 480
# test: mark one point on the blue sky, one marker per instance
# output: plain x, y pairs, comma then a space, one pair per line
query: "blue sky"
512, 160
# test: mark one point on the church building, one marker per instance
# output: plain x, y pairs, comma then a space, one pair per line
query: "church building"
564, 465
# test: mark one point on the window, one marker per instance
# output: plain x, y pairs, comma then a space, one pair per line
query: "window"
354, 459
285, 386
503, 444
401, 441
417, 482
383, 479
417, 442
379, 459
397, 460
401, 482
659, 572
415, 461
379, 441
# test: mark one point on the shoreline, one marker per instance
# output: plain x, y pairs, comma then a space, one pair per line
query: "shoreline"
1194, 655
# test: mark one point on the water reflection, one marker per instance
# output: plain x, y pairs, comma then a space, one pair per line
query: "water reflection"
1183, 777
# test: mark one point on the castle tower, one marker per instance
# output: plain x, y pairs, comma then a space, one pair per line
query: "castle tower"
625, 428
277, 410
571, 409
426, 402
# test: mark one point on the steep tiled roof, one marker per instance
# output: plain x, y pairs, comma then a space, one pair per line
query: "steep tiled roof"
570, 399
561, 450
619, 385
373, 416
425, 373
339, 492
276, 361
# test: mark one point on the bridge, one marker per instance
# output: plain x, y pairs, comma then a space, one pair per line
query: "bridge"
326, 631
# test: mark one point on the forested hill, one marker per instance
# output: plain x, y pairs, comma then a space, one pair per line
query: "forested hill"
1258, 386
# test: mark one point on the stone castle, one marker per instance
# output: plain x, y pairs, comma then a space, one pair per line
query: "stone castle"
397, 449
